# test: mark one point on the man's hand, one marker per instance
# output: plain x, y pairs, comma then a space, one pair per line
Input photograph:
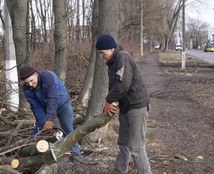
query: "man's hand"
48, 125
110, 109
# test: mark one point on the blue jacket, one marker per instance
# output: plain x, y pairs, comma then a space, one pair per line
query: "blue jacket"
49, 95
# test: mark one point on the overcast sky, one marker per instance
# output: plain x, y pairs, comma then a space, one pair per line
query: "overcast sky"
204, 12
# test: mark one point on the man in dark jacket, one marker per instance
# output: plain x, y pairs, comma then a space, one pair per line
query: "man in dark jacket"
126, 87
48, 99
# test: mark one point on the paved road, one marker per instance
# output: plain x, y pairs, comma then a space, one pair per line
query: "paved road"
206, 56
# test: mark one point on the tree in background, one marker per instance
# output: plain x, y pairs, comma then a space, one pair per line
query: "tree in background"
60, 39
197, 33
88, 80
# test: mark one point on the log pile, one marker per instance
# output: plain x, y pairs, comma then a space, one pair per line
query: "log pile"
31, 153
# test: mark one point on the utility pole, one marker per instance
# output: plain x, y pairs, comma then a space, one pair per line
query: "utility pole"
183, 37
141, 28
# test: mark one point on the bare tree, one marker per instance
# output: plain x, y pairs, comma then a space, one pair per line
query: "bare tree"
129, 25
69, 9
60, 38
172, 14
87, 83
78, 22
108, 23
44, 12
197, 32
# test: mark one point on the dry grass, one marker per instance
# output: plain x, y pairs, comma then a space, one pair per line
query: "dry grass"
172, 56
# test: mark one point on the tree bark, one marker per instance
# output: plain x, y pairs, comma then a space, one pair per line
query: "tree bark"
108, 23
18, 14
88, 80
14, 163
40, 147
60, 39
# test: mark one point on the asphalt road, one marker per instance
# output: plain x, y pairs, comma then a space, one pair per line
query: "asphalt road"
206, 56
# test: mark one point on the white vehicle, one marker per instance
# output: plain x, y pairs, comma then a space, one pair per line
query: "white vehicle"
178, 47
157, 46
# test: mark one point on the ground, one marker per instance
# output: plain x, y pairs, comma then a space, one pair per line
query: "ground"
181, 124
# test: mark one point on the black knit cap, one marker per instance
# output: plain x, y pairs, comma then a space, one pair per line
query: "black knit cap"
26, 71
105, 42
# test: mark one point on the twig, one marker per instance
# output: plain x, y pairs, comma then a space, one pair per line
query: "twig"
7, 168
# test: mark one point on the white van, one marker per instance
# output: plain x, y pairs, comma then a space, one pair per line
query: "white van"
178, 47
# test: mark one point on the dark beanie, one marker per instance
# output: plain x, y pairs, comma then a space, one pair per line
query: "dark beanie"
26, 71
105, 42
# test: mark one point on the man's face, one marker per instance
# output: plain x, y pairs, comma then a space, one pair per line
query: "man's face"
32, 81
106, 54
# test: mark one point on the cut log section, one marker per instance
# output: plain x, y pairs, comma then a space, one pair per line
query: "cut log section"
14, 163
40, 147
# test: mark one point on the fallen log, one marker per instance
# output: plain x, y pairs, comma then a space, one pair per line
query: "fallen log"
64, 146
14, 163
40, 147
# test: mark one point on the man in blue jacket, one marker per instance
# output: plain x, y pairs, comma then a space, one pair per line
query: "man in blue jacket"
48, 99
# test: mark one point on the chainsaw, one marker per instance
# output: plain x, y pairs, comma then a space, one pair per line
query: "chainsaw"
54, 135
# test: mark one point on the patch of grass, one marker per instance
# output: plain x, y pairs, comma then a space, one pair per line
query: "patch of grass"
172, 57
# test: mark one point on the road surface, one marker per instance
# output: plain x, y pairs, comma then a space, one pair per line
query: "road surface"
206, 56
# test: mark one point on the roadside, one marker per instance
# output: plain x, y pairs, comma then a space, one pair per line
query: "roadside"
181, 123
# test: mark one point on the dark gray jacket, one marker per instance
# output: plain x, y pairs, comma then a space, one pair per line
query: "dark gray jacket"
125, 82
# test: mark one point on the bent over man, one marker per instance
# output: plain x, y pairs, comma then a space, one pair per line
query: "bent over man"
126, 87
48, 99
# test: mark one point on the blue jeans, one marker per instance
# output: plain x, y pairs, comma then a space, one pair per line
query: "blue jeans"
132, 141
65, 116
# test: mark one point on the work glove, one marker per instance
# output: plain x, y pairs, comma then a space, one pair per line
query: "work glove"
48, 125
110, 109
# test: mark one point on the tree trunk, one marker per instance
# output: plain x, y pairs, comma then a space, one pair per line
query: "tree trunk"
10, 65
60, 39
108, 23
87, 84
18, 14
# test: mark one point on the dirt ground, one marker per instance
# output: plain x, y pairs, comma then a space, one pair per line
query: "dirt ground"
181, 124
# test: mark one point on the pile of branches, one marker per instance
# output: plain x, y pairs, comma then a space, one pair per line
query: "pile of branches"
20, 152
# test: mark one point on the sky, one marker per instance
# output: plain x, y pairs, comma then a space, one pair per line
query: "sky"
204, 12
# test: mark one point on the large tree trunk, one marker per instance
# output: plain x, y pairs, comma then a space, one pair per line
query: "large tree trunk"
60, 39
108, 23
10, 65
18, 14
